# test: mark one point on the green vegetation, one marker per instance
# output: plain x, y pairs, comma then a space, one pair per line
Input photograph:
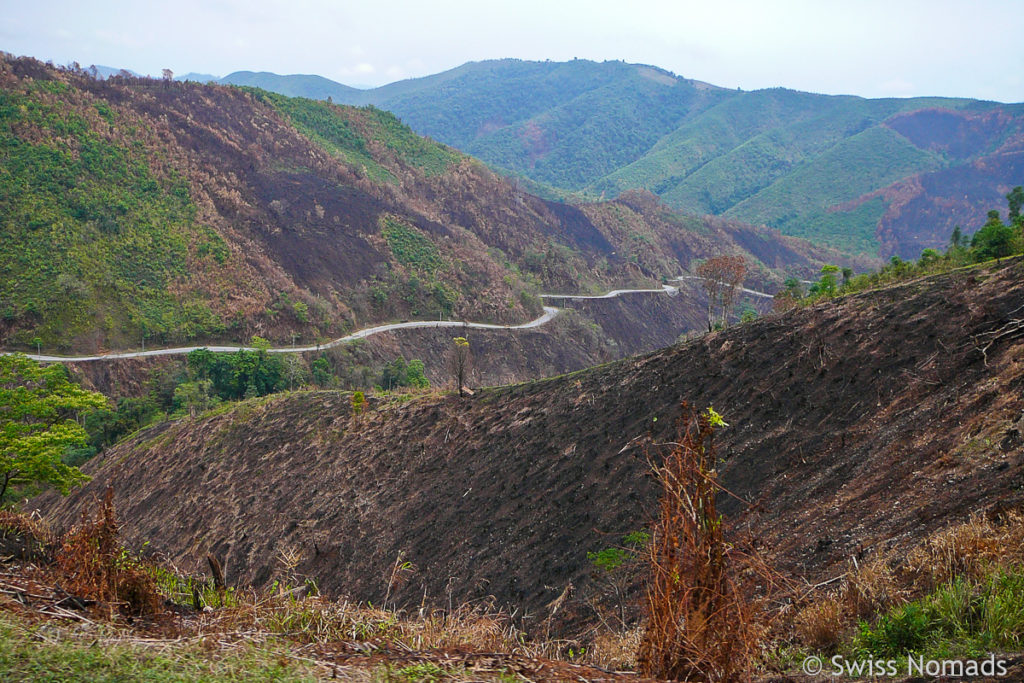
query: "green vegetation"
27, 653
322, 123
993, 240
430, 157
798, 203
38, 407
351, 135
242, 374
775, 156
961, 618
611, 559
409, 246
422, 284
93, 236
399, 373
996, 240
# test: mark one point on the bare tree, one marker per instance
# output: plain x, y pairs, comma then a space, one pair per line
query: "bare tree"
168, 77
458, 362
723, 277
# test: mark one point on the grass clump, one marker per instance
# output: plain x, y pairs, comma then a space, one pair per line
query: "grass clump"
27, 652
960, 593
960, 618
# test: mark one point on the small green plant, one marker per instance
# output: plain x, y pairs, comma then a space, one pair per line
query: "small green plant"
612, 564
714, 419
358, 402
424, 671
904, 629
608, 560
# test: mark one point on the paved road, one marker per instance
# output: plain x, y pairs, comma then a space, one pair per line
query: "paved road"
742, 289
549, 313
665, 289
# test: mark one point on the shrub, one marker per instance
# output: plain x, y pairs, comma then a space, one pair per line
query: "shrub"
96, 566
358, 402
699, 622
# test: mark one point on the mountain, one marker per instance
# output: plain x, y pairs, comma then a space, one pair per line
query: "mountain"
198, 78
108, 71
855, 429
139, 211
881, 177
313, 87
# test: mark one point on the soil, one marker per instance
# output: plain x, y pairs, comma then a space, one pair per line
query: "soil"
859, 424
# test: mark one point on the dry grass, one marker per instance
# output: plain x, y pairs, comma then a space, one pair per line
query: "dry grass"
971, 550
94, 583
319, 620
23, 537
870, 588
821, 624
615, 650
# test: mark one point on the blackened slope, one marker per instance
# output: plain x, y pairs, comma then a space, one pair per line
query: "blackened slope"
858, 423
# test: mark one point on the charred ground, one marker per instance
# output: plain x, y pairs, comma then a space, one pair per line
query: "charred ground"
857, 425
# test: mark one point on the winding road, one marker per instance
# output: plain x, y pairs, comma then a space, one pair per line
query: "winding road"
549, 314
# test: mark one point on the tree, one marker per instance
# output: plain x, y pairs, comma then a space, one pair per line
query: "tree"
957, 239
195, 396
994, 239
723, 276
322, 375
794, 287
458, 362
826, 285
37, 407
168, 77
1015, 200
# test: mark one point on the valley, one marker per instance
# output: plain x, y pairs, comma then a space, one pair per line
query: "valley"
447, 379
225, 214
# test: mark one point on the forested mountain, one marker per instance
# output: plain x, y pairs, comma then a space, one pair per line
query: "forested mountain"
136, 210
883, 176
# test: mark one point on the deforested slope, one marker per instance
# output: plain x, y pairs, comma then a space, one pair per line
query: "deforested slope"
854, 426
143, 212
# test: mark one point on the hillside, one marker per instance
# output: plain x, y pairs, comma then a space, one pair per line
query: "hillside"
137, 212
856, 426
854, 173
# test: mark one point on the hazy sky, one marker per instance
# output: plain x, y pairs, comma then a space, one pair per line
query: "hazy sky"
874, 48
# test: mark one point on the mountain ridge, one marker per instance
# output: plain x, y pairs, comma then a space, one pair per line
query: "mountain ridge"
604, 129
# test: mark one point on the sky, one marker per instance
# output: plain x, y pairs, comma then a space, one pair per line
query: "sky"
872, 48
